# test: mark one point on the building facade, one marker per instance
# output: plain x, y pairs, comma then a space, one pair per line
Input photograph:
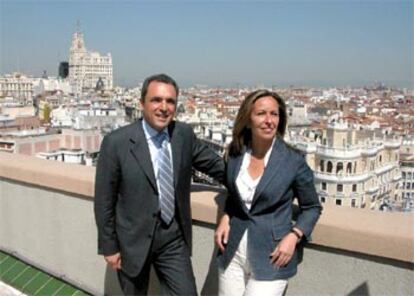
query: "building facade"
407, 188
407, 173
33, 142
86, 68
17, 86
352, 169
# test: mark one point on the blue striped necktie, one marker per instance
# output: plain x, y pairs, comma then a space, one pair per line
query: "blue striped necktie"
165, 179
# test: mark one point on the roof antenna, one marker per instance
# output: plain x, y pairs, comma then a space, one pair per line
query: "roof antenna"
78, 26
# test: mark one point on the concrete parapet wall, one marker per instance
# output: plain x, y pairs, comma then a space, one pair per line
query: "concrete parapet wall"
46, 218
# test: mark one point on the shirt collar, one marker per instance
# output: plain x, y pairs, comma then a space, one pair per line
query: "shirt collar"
150, 132
267, 156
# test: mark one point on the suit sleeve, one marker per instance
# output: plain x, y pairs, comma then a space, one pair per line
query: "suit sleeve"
106, 192
229, 206
309, 205
206, 160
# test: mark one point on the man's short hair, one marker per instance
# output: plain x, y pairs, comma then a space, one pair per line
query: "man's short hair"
164, 78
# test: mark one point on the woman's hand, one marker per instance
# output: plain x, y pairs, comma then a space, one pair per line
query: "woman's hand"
284, 250
222, 232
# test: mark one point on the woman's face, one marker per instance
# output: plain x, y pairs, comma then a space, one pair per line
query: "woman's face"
264, 118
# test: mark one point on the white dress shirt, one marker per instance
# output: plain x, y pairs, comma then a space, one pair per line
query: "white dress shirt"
150, 135
244, 182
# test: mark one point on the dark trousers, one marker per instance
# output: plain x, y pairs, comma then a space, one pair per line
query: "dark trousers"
170, 257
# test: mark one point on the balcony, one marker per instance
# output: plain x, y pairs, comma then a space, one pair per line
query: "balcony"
339, 152
342, 177
385, 168
340, 195
46, 218
372, 190
397, 178
392, 143
371, 151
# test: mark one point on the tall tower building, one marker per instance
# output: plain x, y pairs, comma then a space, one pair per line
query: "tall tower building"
86, 68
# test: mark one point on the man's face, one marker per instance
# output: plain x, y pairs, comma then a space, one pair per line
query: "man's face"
159, 104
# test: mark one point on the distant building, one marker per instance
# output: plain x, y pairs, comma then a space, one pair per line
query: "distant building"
407, 190
298, 113
21, 122
87, 67
17, 86
51, 84
407, 172
76, 156
34, 141
91, 117
352, 169
63, 70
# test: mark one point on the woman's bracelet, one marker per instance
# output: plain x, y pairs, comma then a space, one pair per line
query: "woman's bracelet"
295, 232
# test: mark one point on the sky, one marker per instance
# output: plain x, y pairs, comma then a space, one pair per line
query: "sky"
219, 43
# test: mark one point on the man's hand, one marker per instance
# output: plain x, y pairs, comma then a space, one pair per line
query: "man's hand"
114, 261
222, 232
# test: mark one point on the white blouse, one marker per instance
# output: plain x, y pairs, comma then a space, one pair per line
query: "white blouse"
244, 182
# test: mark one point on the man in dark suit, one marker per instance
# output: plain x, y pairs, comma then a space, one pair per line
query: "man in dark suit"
142, 194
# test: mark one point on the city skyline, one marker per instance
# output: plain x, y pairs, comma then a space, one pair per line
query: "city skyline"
310, 43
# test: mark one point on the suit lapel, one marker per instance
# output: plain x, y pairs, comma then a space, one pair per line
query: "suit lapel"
176, 150
272, 171
234, 166
234, 169
141, 153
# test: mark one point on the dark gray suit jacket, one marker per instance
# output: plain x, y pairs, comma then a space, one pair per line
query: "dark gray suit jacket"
270, 217
126, 194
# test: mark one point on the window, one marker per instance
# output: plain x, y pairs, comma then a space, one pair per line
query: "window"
353, 203
329, 169
323, 200
339, 188
339, 167
354, 187
349, 168
323, 185
380, 158
322, 165
338, 202
403, 175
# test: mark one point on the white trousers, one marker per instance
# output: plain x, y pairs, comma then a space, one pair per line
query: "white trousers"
238, 280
